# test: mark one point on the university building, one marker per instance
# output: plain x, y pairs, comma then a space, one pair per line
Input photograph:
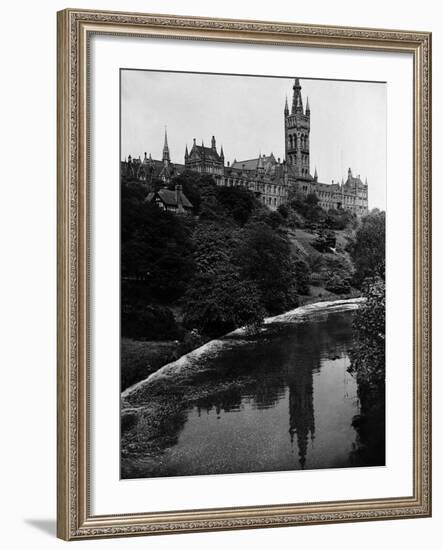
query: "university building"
272, 180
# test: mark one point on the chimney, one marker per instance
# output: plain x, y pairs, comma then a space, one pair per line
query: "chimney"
178, 197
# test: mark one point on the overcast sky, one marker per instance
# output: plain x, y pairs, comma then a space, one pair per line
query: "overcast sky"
245, 113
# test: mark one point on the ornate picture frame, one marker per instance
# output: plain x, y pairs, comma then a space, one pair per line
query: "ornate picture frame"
75, 29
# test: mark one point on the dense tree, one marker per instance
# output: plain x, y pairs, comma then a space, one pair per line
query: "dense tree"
265, 258
156, 247
308, 207
339, 218
238, 202
368, 356
368, 248
218, 299
325, 240
195, 186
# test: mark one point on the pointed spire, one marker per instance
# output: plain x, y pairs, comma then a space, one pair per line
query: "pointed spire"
286, 106
366, 181
222, 155
315, 174
297, 102
260, 165
186, 153
308, 108
166, 157
213, 143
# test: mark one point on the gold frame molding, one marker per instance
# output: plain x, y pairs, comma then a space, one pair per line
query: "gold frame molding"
74, 519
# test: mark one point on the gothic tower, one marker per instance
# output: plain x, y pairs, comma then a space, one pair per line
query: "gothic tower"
297, 129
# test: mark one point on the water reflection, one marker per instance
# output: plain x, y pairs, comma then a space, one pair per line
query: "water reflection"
283, 401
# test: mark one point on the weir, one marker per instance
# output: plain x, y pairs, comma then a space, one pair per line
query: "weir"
190, 361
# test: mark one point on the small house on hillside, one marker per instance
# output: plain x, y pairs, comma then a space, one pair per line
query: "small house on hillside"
174, 201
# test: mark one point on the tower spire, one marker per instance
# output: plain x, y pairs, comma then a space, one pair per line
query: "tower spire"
297, 102
166, 157
308, 108
286, 106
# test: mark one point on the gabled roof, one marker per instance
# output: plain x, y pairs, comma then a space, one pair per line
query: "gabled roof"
354, 182
252, 164
205, 152
169, 198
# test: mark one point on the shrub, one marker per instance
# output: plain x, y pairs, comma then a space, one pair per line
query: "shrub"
368, 248
338, 285
325, 241
368, 355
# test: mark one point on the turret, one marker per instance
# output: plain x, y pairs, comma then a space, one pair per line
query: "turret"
213, 143
286, 107
260, 165
186, 153
308, 108
222, 155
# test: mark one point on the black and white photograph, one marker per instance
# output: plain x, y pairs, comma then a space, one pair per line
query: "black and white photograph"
252, 273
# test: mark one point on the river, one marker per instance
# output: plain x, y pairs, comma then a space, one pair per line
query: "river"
278, 400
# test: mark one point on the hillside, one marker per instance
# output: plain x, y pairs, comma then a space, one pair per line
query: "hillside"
323, 266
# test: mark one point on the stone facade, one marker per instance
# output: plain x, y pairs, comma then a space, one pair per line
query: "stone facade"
273, 181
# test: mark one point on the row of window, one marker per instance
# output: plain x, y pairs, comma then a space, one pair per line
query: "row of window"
270, 201
292, 142
264, 188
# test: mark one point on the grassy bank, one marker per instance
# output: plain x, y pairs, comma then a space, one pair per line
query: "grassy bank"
139, 358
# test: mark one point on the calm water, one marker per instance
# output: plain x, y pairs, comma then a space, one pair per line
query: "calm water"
283, 401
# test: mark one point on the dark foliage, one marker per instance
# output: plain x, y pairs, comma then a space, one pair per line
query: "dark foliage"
194, 186
149, 323
338, 284
368, 356
219, 301
265, 258
325, 240
156, 247
238, 203
339, 218
368, 365
368, 248
308, 207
